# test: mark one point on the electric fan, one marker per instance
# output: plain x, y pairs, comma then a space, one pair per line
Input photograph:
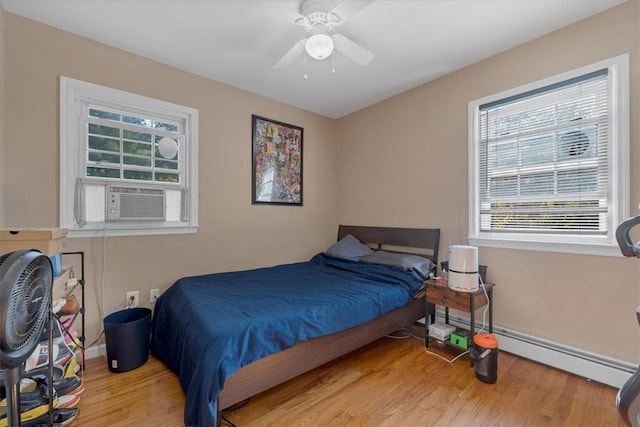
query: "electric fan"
319, 18
26, 281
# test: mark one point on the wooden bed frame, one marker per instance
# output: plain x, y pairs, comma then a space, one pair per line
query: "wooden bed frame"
303, 357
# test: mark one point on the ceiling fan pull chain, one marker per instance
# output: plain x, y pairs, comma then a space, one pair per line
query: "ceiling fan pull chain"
306, 77
333, 62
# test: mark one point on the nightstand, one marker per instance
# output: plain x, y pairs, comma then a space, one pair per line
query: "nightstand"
439, 293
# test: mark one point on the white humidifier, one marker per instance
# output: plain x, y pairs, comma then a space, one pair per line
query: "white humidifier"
463, 268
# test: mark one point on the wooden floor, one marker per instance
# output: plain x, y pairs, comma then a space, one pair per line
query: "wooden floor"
388, 383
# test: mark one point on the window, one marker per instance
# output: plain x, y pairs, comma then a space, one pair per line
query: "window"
549, 162
127, 163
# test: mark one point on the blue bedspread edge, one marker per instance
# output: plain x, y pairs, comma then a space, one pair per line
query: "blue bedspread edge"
278, 307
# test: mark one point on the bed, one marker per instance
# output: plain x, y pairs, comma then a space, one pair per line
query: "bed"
230, 336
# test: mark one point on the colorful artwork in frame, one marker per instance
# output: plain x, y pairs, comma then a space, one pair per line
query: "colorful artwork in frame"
277, 162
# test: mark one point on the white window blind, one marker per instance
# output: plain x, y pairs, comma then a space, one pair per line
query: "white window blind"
544, 159
548, 162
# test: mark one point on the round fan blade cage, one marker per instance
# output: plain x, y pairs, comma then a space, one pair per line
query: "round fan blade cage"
4, 257
26, 281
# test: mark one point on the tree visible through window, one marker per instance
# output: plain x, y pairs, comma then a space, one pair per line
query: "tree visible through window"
124, 146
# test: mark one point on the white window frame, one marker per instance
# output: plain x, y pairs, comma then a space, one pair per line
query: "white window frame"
74, 94
618, 191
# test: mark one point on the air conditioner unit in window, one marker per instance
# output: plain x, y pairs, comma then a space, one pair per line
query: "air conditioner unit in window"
127, 203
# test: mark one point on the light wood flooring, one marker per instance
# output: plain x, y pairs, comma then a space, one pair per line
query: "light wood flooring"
388, 383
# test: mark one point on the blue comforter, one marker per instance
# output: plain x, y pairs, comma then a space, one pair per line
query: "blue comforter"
207, 327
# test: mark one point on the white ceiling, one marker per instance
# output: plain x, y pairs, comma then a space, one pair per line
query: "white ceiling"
237, 41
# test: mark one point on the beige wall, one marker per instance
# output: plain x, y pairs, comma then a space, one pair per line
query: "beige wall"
404, 162
233, 234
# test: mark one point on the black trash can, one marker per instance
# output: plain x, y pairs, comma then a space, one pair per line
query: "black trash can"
127, 334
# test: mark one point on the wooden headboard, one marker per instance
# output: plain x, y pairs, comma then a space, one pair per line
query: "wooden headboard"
423, 238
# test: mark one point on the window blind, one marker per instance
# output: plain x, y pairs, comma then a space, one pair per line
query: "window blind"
544, 160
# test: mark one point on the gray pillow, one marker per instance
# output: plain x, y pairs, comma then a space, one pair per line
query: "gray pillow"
408, 262
348, 248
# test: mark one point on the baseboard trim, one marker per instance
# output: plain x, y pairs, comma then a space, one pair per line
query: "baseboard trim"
95, 351
597, 367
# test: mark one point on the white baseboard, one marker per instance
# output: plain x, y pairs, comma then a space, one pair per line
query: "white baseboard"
594, 366
597, 367
95, 351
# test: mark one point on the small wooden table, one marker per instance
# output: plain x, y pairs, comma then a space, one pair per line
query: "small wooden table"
439, 293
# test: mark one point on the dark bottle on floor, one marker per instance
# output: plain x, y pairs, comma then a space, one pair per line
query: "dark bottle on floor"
485, 355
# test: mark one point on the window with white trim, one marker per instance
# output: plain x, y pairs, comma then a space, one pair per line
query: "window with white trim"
549, 162
128, 163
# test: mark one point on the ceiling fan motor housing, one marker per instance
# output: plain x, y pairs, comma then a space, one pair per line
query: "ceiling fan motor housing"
309, 7
318, 16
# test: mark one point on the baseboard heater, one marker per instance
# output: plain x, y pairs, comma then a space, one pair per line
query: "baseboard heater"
594, 366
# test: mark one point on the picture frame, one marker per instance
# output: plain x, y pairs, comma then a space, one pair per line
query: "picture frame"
276, 176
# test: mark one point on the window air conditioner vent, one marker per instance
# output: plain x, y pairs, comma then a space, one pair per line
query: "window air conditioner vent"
135, 203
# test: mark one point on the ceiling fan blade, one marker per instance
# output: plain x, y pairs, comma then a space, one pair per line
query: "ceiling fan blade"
348, 8
352, 49
290, 56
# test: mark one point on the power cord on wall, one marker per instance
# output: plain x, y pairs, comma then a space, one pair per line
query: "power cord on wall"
97, 339
486, 307
101, 284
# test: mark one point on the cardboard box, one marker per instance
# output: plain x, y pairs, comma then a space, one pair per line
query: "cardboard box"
49, 241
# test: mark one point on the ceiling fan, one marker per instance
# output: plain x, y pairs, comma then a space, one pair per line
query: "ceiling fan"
319, 18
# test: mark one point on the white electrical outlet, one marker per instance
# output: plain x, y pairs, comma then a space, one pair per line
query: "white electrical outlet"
129, 303
153, 295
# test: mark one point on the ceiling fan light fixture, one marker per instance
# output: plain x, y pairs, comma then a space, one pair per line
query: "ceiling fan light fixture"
319, 46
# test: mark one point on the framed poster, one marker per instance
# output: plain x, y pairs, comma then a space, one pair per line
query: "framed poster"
277, 162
